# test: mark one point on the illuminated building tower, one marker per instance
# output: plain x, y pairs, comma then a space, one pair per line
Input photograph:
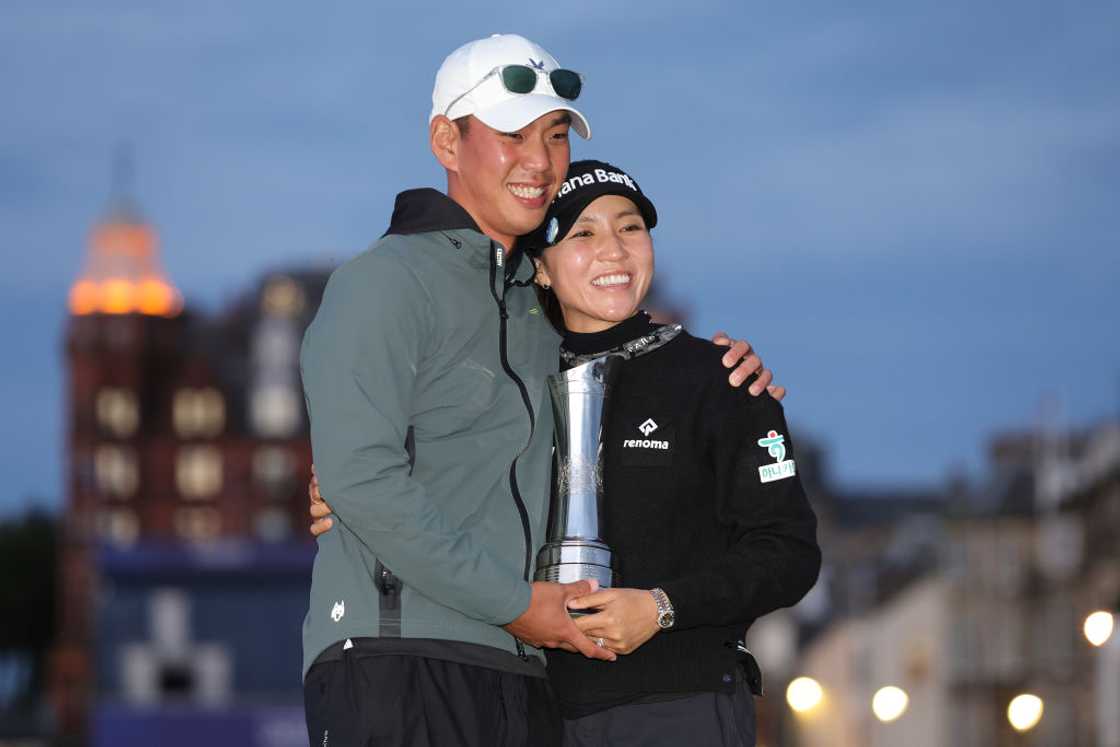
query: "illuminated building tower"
188, 460
125, 321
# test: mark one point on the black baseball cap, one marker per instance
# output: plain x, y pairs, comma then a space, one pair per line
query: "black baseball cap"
586, 182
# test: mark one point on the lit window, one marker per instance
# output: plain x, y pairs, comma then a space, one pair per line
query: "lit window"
282, 297
198, 524
275, 345
119, 527
198, 413
273, 469
273, 525
116, 471
198, 471
118, 412
275, 411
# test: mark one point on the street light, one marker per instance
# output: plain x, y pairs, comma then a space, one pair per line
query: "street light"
1025, 711
804, 694
889, 703
1098, 627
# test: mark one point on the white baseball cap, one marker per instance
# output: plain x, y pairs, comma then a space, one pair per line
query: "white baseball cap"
463, 86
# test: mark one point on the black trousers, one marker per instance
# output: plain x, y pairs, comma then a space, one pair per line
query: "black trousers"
393, 699
707, 719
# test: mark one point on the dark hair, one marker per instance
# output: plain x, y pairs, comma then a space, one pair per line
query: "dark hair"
547, 300
464, 124
550, 304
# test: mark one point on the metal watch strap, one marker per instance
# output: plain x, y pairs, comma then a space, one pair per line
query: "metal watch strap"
666, 616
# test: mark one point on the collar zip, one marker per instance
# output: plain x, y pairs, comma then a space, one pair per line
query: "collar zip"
498, 277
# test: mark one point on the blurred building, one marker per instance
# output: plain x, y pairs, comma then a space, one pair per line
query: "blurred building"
1032, 555
185, 559
965, 610
874, 596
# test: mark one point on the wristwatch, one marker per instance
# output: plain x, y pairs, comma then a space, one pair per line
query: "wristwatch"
665, 614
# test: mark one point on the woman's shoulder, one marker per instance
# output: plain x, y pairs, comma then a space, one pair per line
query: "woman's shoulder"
702, 360
699, 354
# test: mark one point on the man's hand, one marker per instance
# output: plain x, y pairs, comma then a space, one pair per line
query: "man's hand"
547, 622
320, 511
748, 363
623, 619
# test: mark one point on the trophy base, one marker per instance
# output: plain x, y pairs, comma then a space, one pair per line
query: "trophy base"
576, 560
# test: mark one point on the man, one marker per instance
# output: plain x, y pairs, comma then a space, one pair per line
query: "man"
424, 375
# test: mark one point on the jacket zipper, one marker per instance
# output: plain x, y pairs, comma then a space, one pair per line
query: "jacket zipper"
386, 582
496, 256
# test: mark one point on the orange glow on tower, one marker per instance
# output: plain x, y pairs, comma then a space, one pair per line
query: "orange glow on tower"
123, 274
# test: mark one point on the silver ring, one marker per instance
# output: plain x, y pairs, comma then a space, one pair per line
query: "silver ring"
600, 643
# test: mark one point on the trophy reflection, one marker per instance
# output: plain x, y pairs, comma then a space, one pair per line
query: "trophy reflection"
574, 549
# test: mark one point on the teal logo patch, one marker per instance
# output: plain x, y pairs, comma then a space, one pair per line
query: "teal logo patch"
782, 468
775, 445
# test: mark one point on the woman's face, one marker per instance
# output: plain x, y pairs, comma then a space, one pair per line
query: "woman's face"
602, 269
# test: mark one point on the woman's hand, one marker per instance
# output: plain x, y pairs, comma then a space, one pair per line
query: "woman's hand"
320, 511
623, 618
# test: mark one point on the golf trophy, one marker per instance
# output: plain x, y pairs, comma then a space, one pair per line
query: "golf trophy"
574, 549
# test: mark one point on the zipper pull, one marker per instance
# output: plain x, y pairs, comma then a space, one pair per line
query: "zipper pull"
521, 649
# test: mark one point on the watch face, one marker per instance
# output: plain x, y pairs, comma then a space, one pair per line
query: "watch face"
666, 619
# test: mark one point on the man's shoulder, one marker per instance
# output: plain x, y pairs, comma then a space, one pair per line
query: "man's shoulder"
383, 276
388, 261
389, 251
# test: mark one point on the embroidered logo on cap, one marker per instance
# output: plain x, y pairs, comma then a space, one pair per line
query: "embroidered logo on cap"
598, 176
647, 427
775, 445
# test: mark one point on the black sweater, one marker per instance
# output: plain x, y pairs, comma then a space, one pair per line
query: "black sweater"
687, 510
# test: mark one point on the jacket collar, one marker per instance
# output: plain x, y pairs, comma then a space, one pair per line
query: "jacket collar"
427, 209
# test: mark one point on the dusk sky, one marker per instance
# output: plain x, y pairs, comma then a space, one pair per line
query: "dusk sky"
908, 208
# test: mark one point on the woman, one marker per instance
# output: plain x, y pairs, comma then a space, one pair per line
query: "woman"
704, 510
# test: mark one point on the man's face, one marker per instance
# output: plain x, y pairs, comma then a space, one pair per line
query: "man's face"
506, 180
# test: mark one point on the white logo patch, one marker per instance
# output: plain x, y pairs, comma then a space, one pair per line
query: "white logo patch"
338, 610
774, 443
602, 176
646, 428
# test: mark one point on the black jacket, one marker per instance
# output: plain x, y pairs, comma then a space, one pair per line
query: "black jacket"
688, 510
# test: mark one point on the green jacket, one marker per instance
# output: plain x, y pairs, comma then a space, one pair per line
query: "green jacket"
433, 338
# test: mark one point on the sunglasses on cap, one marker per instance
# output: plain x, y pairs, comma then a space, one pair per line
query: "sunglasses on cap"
524, 78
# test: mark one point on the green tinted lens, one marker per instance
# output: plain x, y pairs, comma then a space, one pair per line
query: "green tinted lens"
519, 78
566, 83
